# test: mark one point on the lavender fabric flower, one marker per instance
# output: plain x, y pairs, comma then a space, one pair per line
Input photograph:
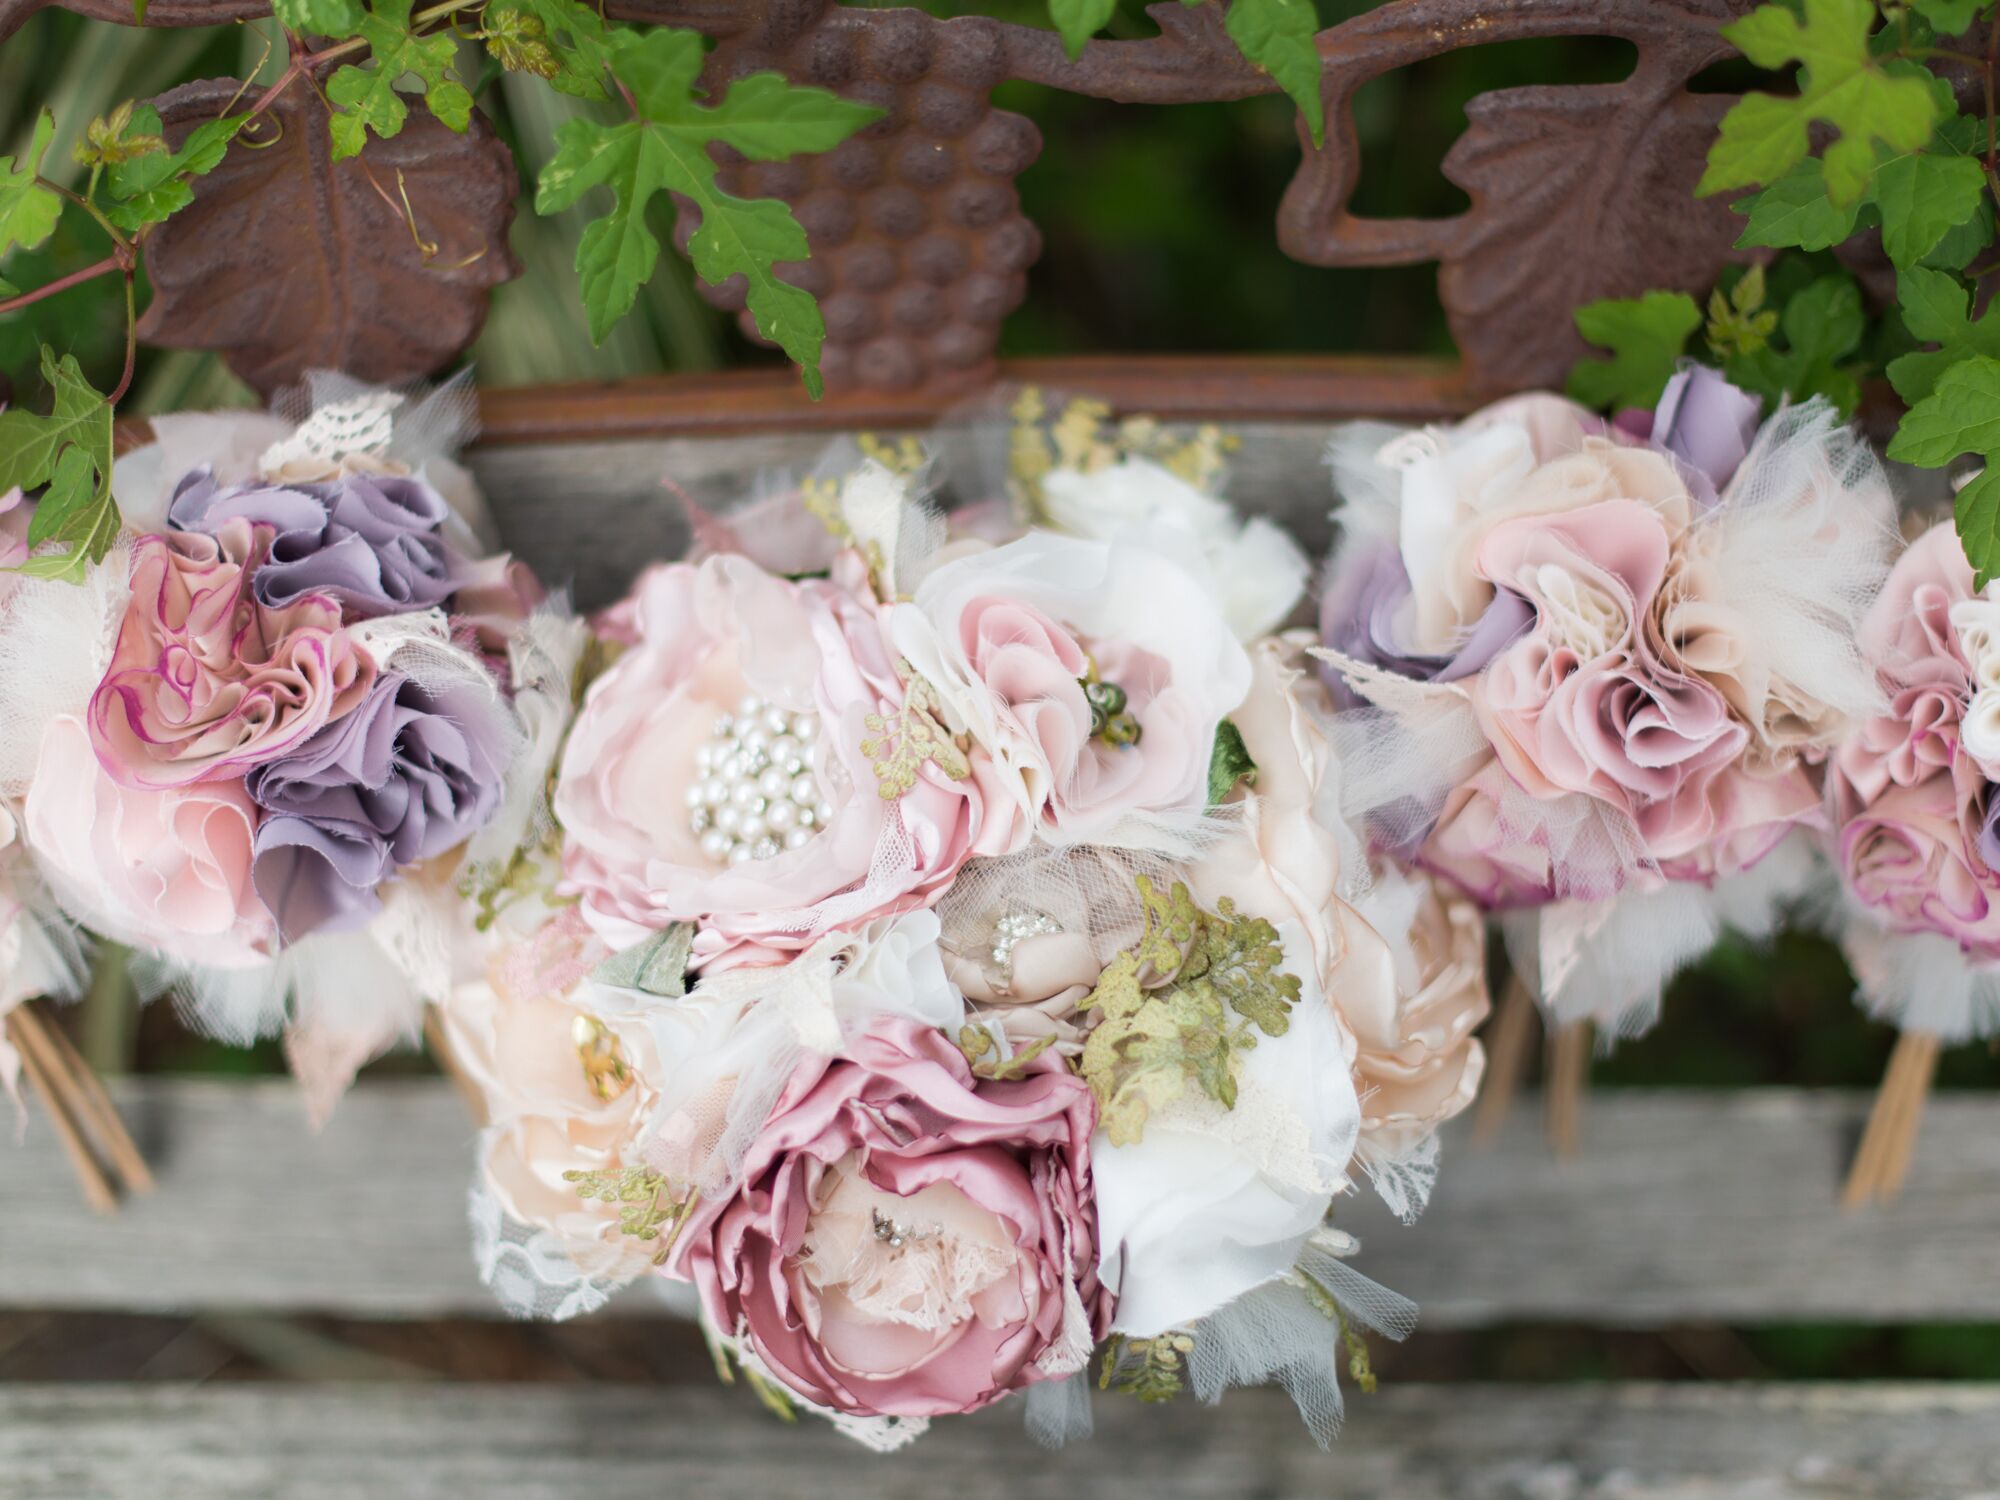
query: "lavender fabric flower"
373, 541
411, 772
1359, 618
1708, 424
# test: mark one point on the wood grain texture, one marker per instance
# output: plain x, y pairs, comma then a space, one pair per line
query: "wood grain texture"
1621, 1442
1680, 1207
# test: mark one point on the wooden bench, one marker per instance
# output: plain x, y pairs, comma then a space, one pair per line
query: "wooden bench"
1682, 1209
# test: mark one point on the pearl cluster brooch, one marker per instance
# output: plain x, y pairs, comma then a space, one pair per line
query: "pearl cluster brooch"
755, 792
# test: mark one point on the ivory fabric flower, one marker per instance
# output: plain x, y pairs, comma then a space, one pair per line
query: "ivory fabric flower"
719, 773
1012, 636
205, 682
908, 1240
161, 867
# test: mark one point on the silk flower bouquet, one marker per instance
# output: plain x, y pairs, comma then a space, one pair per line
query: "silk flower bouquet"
264, 739
939, 967
1594, 672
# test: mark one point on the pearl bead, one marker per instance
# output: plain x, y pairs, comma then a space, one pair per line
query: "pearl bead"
774, 784
704, 757
749, 706
745, 794
715, 844
764, 848
694, 796
715, 791
824, 812
798, 838
787, 747
728, 818
782, 817
804, 726
776, 721
752, 828
740, 854
807, 818
805, 790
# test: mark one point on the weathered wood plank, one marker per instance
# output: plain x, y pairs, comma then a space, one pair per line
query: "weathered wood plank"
1619, 1442
1683, 1207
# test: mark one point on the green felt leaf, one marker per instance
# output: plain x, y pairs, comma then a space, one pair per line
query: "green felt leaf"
666, 149
28, 211
655, 964
147, 188
334, 19
1961, 415
1977, 512
1795, 211
69, 452
1079, 21
1278, 36
367, 96
1937, 308
1841, 84
1228, 763
1646, 336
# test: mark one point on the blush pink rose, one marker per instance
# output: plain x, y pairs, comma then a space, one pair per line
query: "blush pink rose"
702, 638
163, 868
907, 1239
1910, 856
205, 682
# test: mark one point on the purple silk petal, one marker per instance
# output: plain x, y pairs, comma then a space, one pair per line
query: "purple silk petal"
1360, 615
374, 542
1707, 423
410, 773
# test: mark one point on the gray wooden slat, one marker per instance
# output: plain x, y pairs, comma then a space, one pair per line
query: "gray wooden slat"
1620, 1442
590, 515
1683, 1207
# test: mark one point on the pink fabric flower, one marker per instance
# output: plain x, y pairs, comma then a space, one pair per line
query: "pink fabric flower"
702, 638
204, 681
908, 1240
1909, 855
165, 868
1590, 702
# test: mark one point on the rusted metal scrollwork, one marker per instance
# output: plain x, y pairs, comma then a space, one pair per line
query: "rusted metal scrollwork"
920, 249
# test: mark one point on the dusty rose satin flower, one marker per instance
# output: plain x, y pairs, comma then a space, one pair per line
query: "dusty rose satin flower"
634, 779
906, 1239
1007, 636
13, 533
205, 682
164, 868
554, 1104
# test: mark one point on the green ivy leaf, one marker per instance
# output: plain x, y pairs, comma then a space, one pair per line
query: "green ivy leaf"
8, 289
1961, 415
147, 188
1764, 136
1924, 197
1228, 763
1646, 336
1937, 308
666, 150
1977, 512
1949, 17
1823, 326
28, 211
1963, 245
1278, 36
1079, 21
573, 36
1795, 211
69, 452
367, 96
334, 19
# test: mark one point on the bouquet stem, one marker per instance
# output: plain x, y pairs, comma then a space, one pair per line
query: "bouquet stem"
1568, 1077
1508, 1049
99, 1147
1890, 1140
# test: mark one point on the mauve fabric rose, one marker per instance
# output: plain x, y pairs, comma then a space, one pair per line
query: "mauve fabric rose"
701, 637
167, 868
1708, 424
986, 1185
13, 535
1910, 857
373, 541
204, 681
1363, 615
412, 771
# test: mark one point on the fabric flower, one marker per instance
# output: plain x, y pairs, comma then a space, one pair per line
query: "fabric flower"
1364, 615
373, 541
1911, 856
636, 772
908, 1240
1708, 424
205, 682
412, 771
1008, 635
164, 868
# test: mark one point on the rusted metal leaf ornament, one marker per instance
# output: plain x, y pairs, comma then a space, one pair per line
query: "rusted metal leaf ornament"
288, 261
